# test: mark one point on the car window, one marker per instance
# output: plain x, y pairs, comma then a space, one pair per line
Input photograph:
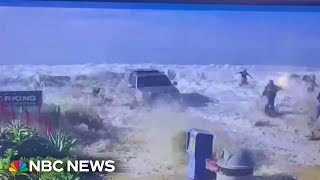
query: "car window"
149, 81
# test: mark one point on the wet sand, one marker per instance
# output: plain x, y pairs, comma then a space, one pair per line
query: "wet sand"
305, 173
164, 177
309, 173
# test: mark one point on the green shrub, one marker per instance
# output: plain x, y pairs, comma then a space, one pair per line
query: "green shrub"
12, 176
17, 132
37, 146
20, 142
62, 142
30, 144
10, 153
58, 176
2, 134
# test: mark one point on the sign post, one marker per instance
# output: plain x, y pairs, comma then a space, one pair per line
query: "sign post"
22, 99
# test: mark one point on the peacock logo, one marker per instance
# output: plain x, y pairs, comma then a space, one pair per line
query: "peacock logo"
18, 166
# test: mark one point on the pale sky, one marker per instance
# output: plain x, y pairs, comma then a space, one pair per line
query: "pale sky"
46, 35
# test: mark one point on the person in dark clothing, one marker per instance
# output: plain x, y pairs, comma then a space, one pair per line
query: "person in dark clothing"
306, 78
312, 83
318, 114
95, 91
271, 91
244, 75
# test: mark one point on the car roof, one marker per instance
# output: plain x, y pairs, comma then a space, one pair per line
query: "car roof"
143, 71
150, 74
139, 72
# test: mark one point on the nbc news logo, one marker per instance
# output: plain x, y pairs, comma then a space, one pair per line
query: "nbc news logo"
18, 166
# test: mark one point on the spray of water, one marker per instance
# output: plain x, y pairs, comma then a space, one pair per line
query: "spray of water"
163, 130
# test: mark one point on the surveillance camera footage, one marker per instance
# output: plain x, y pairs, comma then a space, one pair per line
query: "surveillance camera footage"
159, 92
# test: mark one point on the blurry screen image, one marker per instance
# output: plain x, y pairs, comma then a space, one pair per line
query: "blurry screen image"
100, 93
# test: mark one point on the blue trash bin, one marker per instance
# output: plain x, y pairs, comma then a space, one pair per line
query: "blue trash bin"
199, 147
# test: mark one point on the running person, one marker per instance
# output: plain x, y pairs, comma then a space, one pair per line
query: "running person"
271, 91
244, 75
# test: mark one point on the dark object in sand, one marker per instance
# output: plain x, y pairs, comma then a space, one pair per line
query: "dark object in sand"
272, 113
263, 124
275, 177
314, 136
54, 81
295, 76
81, 77
92, 120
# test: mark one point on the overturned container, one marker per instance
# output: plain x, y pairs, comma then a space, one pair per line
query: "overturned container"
236, 166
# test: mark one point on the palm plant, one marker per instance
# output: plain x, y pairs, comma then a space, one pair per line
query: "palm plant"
5, 175
10, 153
15, 176
62, 142
57, 176
2, 133
5, 163
17, 132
